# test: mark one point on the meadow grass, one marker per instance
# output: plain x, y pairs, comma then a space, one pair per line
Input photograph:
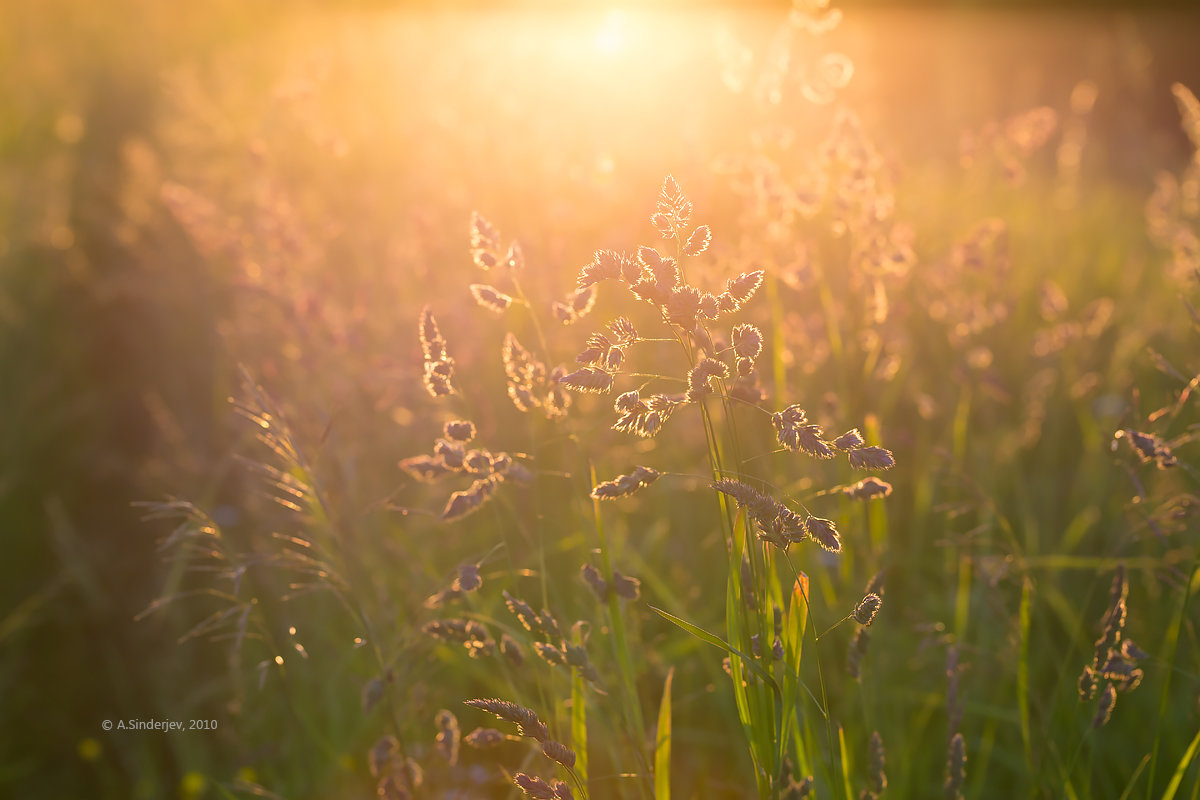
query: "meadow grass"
542, 475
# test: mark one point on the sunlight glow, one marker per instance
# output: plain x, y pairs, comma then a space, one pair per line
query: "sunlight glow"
613, 34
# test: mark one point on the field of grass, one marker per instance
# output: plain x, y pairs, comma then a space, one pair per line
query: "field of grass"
598, 404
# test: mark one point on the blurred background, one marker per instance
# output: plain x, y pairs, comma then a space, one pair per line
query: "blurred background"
338, 149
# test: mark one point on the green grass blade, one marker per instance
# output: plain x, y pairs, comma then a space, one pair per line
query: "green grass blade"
1023, 673
845, 756
1170, 646
579, 725
1125, 795
716, 641
662, 747
1184, 763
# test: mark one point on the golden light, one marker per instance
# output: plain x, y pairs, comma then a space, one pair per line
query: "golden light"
613, 34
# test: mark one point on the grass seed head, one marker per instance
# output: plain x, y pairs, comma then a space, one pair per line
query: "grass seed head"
956, 768
625, 485
588, 380
490, 297
459, 430
700, 378
425, 469
824, 532
878, 763
591, 576
1108, 699
381, 754
867, 608
468, 579
512, 650
468, 502
747, 341
448, 736
739, 290
798, 790
526, 719
868, 489
871, 458
849, 440
626, 587
552, 655
1087, 684
559, 752
534, 787
521, 610
484, 738
698, 242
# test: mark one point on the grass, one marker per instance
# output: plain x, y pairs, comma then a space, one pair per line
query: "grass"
339, 567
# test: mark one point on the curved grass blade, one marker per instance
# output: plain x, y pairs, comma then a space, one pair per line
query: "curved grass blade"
1184, 763
579, 725
717, 641
662, 747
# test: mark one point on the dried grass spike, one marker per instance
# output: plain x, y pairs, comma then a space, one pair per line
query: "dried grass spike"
1108, 699
872, 458
588, 380
592, 577
425, 469
459, 430
381, 754
626, 587
747, 341
552, 655
649, 257
514, 259
439, 377
700, 378
1087, 684
869, 489
824, 532
867, 608
605, 265
849, 440
878, 764
468, 579
525, 718
461, 504
557, 751
521, 610
626, 402
623, 331
625, 485
490, 297
452, 454
534, 787
698, 242
956, 768
448, 736
511, 650
597, 349
484, 738
433, 346
582, 300
808, 438
743, 287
